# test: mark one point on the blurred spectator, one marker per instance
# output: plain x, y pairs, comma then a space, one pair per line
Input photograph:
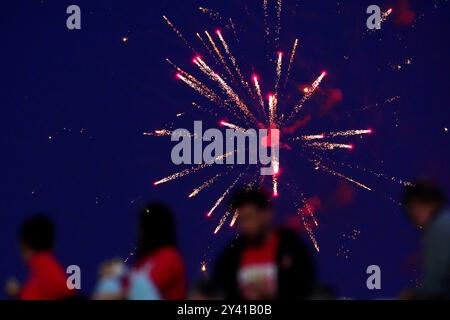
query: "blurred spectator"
47, 279
424, 204
263, 263
205, 290
159, 270
112, 275
324, 292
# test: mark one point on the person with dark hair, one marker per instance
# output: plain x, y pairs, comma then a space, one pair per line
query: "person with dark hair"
159, 271
112, 275
425, 205
205, 289
263, 262
47, 279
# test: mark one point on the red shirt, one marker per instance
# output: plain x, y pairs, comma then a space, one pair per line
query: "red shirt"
258, 273
47, 279
166, 271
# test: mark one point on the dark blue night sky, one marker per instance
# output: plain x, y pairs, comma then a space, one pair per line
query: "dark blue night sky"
74, 105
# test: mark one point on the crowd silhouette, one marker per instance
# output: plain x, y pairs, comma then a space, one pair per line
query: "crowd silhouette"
264, 262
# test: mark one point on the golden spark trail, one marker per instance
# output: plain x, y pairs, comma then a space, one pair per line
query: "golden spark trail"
204, 185
310, 137
221, 222
340, 175
165, 133
189, 76
214, 113
296, 193
275, 185
211, 53
307, 95
385, 15
222, 197
158, 133
272, 108
181, 174
232, 126
266, 17
305, 224
188, 171
214, 15
233, 61
235, 215
204, 109
310, 211
196, 84
278, 27
178, 33
211, 95
204, 68
279, 66
291, 61
203, 90
378, 104
234, 219
377, 174
311, 214
329, 145
276, 169
369, 171
225, 87
258, 92
216, 49
234, 31
348, 133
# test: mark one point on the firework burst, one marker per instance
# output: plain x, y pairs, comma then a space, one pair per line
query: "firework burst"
227, 89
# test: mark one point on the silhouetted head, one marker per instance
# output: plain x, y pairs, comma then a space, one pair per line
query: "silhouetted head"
205, 290
255, 212
422, 201
36, 235
156, 229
